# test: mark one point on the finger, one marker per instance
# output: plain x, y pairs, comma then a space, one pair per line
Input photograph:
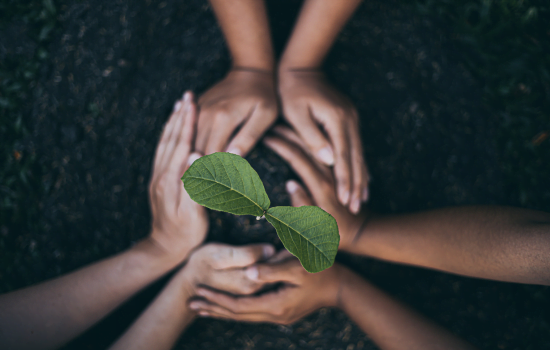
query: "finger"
302, 121
234, 281
204, 127
290, 135
252, 130
264, 303
308, 173
166, 133
206, 309
298, 196
338, 135
365, 194
288, 270
176, 130
357, 167
223, 126
226, 256
281, 255
180, 155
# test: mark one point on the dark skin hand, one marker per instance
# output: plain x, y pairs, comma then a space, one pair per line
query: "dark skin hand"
499, 243
388, 323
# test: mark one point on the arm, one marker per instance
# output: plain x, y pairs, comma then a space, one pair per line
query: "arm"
49, 314
245, 27
500, 243
215, 265
325, 120
246, 96
388, 323
316, 29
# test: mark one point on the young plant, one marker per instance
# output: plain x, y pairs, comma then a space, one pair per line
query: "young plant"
226, 182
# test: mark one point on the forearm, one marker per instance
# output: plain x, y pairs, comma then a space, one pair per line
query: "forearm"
162, 323
245, 26
390, 324
49, 314
501, 243
317, 27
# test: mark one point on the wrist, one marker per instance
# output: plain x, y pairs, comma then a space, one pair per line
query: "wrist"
262, 64
155, 253
346, 278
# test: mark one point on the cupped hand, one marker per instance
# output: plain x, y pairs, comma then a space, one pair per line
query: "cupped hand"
244, 99
328, 124
179, 224
300, 293
319, 182
224, 267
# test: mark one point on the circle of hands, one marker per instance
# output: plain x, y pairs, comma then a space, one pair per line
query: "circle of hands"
230, 282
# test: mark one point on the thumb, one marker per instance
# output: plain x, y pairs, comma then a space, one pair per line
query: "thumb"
284, 271
298, 196
251, 131
231, 257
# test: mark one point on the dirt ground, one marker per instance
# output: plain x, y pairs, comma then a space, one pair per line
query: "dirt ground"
115, 69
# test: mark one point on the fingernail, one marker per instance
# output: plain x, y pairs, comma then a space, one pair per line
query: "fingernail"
235, 150
365, 195
354, 206
187, 96
344, 196
192, 158
203, 313
269, 251
177, 106
291, 186
326, 155
252, 273
195, 305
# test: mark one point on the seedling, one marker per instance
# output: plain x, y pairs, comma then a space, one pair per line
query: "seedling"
226, 182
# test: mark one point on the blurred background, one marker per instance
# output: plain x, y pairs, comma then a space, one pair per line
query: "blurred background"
454, 98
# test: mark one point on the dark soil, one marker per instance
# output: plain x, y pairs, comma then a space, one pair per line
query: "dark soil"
116, 67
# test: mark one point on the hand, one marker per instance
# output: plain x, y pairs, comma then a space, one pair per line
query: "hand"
179, 224
223, 267
301, 293
245, 99
310, 103
319, 181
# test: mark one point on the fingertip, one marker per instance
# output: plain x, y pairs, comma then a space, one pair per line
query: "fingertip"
365, 194
355, 205
235, 150
326, 155
268, 251
188, 96
192, 158
343, 195
292, 186
252, 273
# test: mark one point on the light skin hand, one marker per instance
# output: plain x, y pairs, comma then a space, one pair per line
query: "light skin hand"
179, 224
325, 119
244, 99
328, 124
301, 293
318, 180
72, 303
219, 266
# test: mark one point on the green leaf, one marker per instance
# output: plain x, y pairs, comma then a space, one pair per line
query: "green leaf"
310, 233
226, 182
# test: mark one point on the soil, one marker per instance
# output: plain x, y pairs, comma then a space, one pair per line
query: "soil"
115, 69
